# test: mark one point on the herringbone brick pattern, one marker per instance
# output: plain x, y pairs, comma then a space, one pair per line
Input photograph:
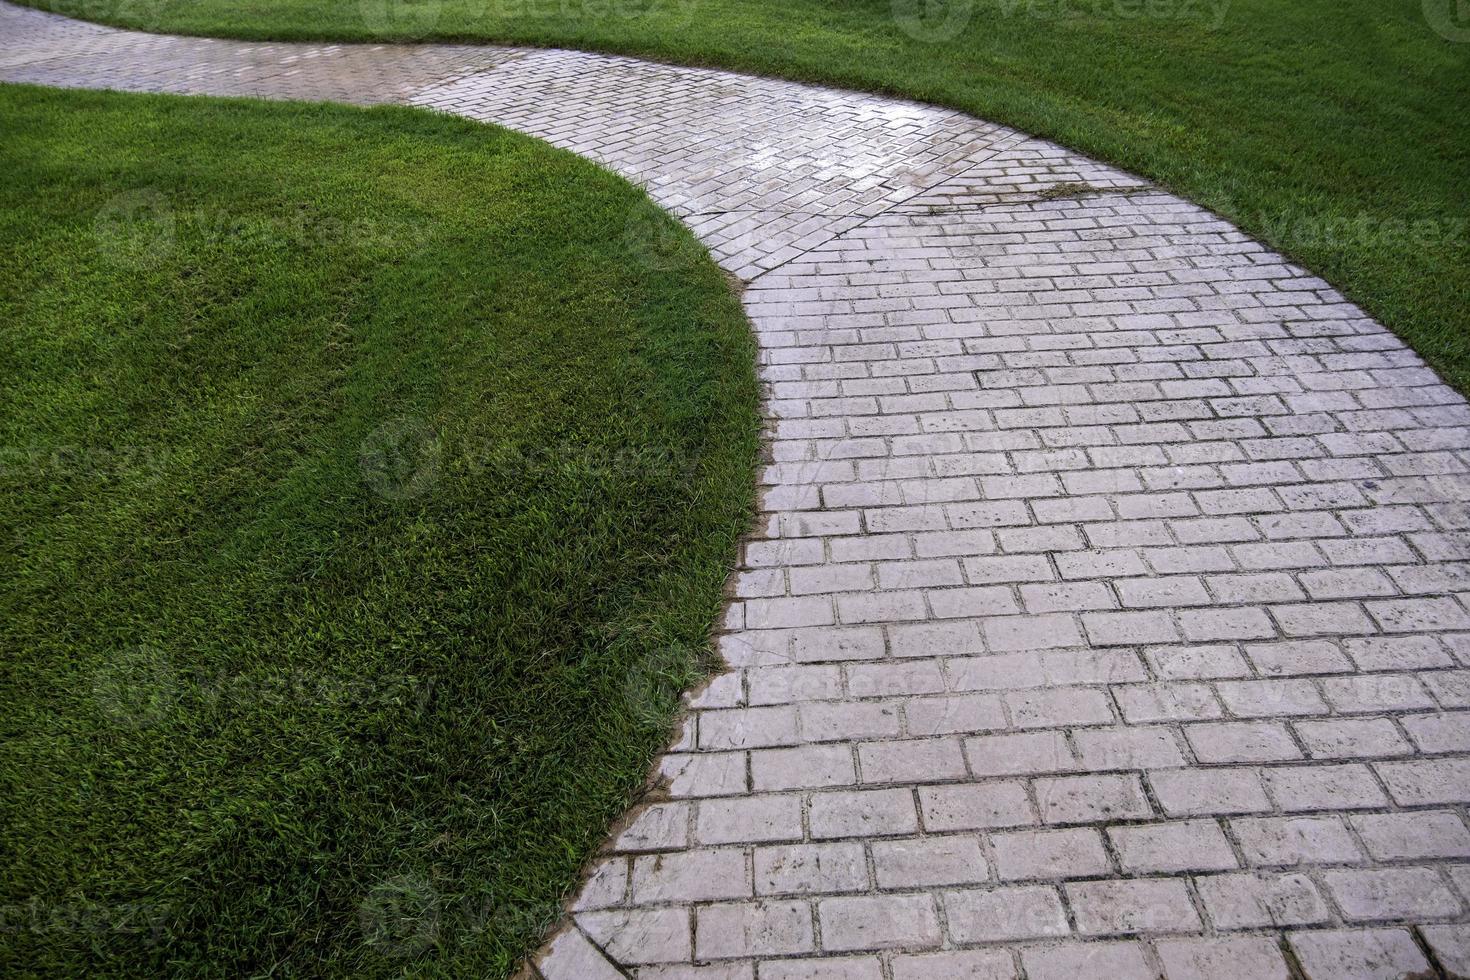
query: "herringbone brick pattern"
1109, 614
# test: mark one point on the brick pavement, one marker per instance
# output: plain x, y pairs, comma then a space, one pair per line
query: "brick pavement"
1109, 613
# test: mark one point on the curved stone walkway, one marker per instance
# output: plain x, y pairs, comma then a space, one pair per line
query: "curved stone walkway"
1110, 610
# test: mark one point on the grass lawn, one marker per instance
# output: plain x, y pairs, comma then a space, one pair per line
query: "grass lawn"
366, 500
1336, 132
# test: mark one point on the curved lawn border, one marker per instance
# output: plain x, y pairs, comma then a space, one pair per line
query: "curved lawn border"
369, 494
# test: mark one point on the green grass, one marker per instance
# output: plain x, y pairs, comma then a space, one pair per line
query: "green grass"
1336, 132
367, 494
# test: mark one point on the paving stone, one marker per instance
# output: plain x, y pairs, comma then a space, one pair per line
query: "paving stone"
690, 876
804, 767
639, 936
1291, 841
1370, 894
975, 807
1224, 958
1428, 781
1090, 799
771, 927
1451, 946
1359, 954
1261, 900
571, 957
1005, 913
969, 964
879, 922
748, 820
1194, 792
1049, 854
865, 813
806, 869
926, 862
1192, 845
1421, 834
915, 760
827, 968
1141, 906
1069, 961
1323, 787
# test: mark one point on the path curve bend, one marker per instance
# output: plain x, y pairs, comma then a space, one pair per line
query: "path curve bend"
1109, 612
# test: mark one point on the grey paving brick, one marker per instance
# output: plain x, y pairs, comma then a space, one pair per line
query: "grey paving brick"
1414, 835
1196, 792
910, 761
804, 767
1068, 961
968, 964
1004, 913
748, 820
929, 861
1138, 906
1292, 841
1193, 845
805, 869
770, 927
693, 876
1370, 894
863, 813
879, 922
1225, 742
1359, 954
1426, 782
1072, 853
1090, 799
975, 806
637, 936
1262, 900
1323, 787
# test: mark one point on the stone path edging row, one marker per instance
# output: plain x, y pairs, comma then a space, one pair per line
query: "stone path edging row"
1110, 609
